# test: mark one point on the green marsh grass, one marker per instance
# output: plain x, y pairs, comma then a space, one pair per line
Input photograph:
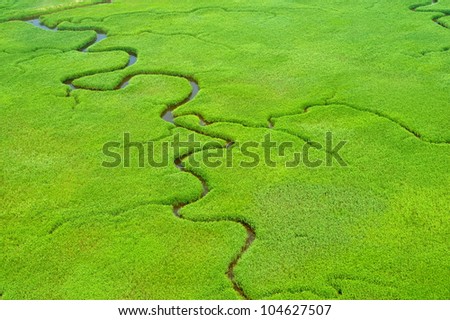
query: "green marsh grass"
376, 75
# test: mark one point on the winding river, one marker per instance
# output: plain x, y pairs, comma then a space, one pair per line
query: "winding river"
168, 116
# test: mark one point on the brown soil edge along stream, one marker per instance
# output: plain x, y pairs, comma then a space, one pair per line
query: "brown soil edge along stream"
168, 116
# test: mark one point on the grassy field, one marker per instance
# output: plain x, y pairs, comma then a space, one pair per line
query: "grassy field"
373, 74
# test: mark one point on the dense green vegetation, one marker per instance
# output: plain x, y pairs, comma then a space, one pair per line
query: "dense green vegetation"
375, 74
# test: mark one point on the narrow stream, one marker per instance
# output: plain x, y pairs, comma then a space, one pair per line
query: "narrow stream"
168, 116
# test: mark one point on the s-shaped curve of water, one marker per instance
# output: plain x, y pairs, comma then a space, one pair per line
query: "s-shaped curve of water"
168, 116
